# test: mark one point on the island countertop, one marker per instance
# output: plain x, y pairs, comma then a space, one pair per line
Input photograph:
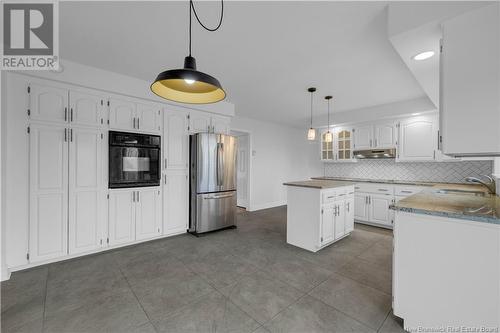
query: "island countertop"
319, 183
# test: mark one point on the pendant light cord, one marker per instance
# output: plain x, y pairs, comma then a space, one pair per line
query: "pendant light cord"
311, 109
193, 10
328, 115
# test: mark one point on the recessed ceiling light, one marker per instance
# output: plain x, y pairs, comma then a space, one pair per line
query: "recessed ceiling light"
424, 55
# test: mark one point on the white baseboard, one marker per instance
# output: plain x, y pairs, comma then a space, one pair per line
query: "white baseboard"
267, 205
5, 274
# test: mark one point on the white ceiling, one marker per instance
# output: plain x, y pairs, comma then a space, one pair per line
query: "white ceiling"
265, 55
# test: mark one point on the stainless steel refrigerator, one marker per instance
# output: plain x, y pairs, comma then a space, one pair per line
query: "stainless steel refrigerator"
212, 182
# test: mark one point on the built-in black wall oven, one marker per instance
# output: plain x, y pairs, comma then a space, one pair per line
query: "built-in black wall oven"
134, 160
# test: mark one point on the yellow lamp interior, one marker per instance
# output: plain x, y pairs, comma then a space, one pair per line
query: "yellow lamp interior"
195, 93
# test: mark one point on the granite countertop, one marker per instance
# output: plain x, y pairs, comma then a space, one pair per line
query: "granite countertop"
319, 183
481, 208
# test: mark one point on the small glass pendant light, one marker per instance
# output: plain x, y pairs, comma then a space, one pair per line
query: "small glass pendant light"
328, 134
311, 133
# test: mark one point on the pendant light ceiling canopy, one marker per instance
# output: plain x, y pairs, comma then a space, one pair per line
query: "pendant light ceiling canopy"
311, 133
188, 85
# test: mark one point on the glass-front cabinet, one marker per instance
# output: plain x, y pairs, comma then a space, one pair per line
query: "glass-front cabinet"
327, 151
343, 144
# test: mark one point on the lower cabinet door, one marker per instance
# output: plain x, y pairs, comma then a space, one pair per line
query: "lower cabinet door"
121, 216
175, 202
360, 206
148, 213
379, 209
327, 224
87, 193
349, 214
48, 219
340, 219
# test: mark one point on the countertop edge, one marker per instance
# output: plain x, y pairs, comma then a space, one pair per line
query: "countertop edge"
484, 219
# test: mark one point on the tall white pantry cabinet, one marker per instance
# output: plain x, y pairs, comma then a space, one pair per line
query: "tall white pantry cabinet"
59, 205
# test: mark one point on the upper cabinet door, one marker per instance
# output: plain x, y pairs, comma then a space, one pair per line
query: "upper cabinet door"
363, 137
343, 143
87, 198
48, 218
148, 118
122, 114
221, 125
470, 83
199, 122
327, 152
86, 109
385, 135
148, 213
176, 140
48, 103
418, 139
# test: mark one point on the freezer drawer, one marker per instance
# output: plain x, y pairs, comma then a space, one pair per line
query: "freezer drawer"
214, 211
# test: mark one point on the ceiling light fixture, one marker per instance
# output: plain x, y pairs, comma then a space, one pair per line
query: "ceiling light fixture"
423, 55
187, 85
328, 134
311, 133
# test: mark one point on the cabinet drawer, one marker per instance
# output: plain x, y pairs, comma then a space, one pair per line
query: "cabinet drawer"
407, 191
328, 197
374, 188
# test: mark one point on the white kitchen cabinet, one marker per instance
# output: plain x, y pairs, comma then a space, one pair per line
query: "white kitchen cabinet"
379, 211
121, 216
327, 152
221, 125
87, 191
176, 202
361, 206
363, 137
48, 179
148, 117
176, 140
48, 104
86, 109
349, 214
384, 134
417, 139
343, 144
311, 228
202, 122
199, 122
122, 114
470, 83
340, 218
327, 224
148, 213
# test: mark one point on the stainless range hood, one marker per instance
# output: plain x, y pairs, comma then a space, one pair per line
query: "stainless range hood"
375, 153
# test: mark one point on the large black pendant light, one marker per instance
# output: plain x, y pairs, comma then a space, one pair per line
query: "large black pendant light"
187, 85
311, 133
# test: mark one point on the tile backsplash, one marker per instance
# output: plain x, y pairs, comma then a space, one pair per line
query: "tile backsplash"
448, 172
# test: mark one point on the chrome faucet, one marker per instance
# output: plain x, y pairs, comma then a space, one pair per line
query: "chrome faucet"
490, 184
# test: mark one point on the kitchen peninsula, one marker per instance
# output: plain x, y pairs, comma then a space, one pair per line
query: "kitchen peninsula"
319, 212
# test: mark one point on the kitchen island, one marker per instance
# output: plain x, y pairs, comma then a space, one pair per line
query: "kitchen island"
446, 260
319, 212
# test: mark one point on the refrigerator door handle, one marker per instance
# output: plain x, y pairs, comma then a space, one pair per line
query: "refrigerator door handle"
219, 196
220, 163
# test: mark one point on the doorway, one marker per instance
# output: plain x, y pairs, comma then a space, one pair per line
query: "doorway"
242, 168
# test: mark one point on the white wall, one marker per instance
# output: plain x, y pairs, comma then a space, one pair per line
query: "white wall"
282, 154
4, 271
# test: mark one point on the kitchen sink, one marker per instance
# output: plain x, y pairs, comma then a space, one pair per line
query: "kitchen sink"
455, 191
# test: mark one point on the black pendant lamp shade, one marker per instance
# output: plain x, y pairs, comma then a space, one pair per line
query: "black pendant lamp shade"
187, 85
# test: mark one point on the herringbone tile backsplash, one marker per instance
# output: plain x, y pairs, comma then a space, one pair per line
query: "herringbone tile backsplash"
448, 172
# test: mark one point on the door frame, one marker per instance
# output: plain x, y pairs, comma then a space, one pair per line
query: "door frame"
249, 173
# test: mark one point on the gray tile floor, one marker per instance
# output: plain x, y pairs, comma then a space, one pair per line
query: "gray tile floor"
242, 280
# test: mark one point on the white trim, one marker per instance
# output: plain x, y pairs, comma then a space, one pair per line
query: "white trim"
267, 205
250, 175
96, 251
